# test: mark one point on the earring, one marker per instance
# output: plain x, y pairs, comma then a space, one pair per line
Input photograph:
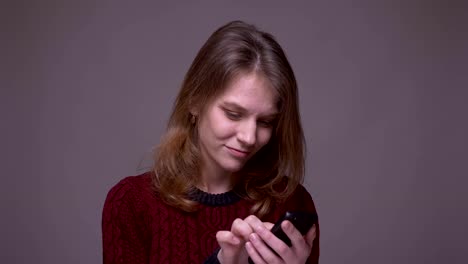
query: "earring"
193, 119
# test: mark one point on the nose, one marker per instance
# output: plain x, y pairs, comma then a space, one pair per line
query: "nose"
247, 133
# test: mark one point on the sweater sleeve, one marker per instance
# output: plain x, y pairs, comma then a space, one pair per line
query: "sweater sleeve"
122, 228
310, 207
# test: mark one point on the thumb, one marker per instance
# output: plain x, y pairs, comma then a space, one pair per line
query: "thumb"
310, 236
227, 238
268, 225
230, 247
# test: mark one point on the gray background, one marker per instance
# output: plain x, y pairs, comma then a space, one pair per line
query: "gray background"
87, 86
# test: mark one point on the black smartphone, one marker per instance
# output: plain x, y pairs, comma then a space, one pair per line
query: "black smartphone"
303, 221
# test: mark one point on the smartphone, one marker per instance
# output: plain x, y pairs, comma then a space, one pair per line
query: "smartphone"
303, 221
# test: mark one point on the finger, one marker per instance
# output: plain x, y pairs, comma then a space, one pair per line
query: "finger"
310, 236
226, 238
264, 251
253, 221
291, 231
241, 229
230, 246
299, 244
268, 225
253, 254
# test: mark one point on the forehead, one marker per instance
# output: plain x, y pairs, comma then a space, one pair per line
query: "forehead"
252, 92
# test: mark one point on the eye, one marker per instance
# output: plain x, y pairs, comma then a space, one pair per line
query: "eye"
265, 123
232, 114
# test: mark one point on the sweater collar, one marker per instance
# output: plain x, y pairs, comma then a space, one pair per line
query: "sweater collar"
210, 199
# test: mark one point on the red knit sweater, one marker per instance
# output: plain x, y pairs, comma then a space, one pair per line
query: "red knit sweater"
138, 227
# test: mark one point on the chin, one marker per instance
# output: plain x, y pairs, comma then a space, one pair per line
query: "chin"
233, 167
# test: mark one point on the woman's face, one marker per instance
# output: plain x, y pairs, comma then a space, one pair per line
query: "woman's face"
236, 124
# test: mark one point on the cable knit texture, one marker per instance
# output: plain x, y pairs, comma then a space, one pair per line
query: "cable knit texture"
138, 227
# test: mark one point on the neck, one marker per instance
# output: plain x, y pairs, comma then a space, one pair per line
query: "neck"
215, 181
214, 188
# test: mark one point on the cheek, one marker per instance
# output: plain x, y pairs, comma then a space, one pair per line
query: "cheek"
264, 136
220, 126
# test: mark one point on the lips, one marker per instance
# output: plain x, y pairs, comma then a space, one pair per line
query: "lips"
238, 153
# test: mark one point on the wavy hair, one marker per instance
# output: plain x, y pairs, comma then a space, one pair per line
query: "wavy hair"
233, 49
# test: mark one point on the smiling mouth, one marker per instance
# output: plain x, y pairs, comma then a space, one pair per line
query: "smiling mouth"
238, 153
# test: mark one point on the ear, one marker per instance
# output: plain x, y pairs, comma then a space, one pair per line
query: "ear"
194, 108
194, 112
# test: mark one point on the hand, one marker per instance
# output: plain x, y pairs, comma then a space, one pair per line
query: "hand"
262, 242
231, 247
232, 242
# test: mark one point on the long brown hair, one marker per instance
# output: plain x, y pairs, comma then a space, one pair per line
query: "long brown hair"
233, 49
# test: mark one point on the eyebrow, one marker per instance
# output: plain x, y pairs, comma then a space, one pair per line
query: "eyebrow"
239, 108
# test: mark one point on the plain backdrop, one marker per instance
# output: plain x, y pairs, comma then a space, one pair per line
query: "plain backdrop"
87, 86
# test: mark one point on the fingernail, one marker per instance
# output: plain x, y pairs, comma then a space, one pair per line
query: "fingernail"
248, 244
260, 229
253, 237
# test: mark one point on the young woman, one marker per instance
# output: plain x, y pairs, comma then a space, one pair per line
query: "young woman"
229, 166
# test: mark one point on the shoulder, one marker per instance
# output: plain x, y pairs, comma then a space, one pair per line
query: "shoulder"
131, 184
130, 191
299, 193
299, 200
